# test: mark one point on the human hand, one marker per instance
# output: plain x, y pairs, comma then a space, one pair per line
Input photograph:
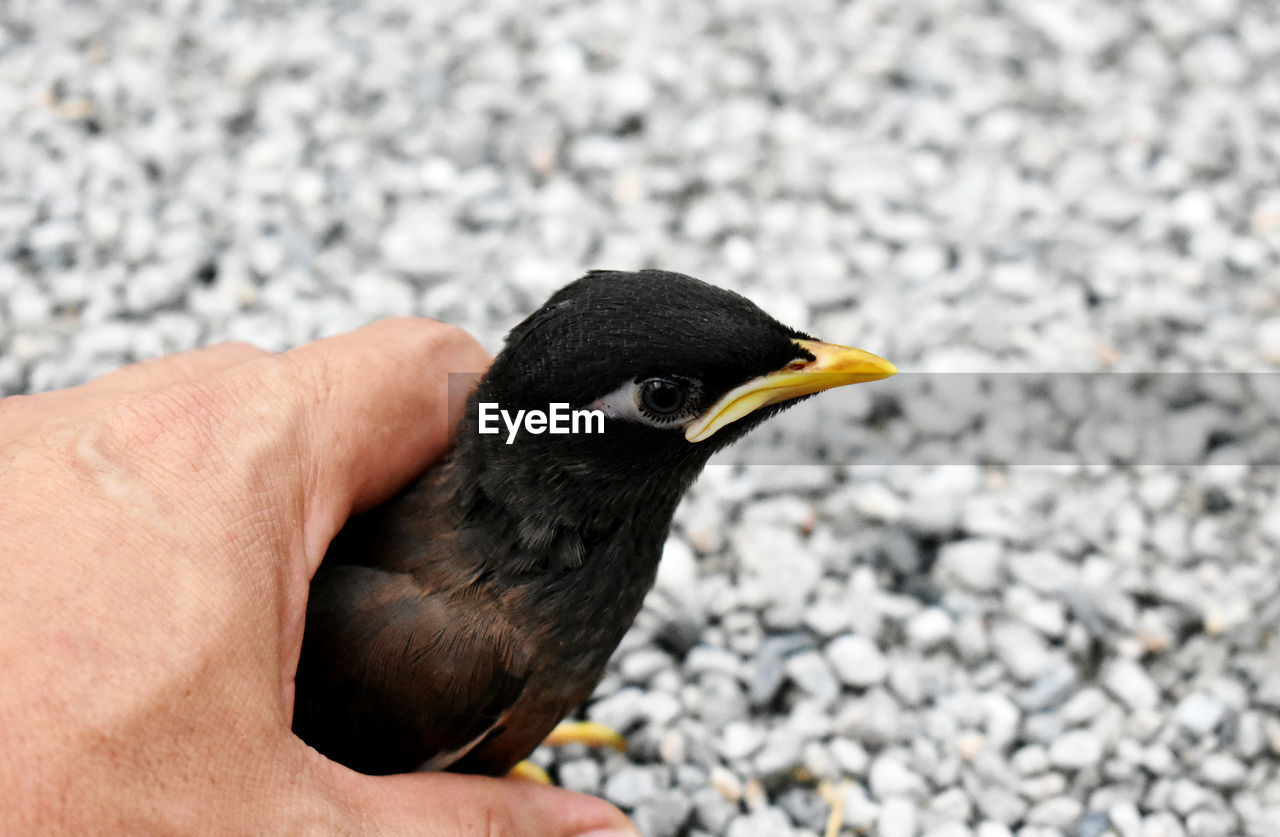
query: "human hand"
158, 529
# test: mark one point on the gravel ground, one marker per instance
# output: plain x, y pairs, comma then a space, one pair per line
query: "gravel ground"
1042, 185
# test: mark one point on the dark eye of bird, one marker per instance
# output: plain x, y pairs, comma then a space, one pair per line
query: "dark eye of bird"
662, 397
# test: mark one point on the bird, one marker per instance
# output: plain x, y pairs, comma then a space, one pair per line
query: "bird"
453, 626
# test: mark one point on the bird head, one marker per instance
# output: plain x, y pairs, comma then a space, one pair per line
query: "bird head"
679, 368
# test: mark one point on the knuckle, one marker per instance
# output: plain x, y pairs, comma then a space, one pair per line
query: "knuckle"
16, 410
32, 437
290, 396
425, 338
238, 350
175, 423
241, 347
296, 385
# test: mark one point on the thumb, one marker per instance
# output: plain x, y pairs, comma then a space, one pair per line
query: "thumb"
451, 805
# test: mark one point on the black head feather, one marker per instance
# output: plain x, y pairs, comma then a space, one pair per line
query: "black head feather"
610, 326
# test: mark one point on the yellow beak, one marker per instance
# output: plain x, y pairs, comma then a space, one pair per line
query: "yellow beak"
832, 366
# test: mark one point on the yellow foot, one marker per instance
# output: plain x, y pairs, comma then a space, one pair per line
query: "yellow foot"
585, 732
529, 772
569, 732
835, 797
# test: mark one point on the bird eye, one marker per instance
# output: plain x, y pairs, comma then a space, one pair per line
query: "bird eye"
666, 402
662, 397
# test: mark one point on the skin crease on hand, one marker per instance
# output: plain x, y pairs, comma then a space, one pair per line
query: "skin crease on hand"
158, 529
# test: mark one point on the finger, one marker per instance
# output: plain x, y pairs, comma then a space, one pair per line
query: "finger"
193, 365
451, 805
378, 413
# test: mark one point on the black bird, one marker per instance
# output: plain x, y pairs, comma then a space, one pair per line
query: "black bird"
455, 625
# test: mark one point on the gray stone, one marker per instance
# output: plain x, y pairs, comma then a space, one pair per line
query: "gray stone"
851, 756
781, 755
1268, 693
1129, 682
1186, 796
620, 711
827, 618
641, 665
1160, 760
810, 672
775, 558
898, 818
1057, 812
1162, 824
860, 811
1046, 616
1053, 685
889, 777
677, 571
951, 829
857, 660
1000, 804
663, 816
1199, 713
1210, 823
705, 658
28, 305
581, 775
1223, 771
1002, 721
972, 640
950, 805
740, 739
770, 672
1076, 750
1044, 786
977, 564
1125, 818
1031, 759
1020, 648
929, 628
1250, 736
767, 822
805, 807
720, 700
631, 786
712, 810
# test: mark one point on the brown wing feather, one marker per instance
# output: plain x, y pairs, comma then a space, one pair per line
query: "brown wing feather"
393, 675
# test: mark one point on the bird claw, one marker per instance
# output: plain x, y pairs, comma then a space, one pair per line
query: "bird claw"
585, 732
529, 772
569, 732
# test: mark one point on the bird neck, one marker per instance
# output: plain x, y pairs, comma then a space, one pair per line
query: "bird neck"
566, 498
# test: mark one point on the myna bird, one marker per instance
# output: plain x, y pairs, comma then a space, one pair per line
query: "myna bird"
452, 627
